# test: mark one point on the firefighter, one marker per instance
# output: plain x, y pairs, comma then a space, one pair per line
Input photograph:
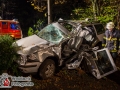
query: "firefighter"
111, 40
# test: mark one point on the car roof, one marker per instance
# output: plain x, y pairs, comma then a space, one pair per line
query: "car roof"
83, 22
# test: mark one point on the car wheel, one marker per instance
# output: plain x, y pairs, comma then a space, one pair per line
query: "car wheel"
47, 69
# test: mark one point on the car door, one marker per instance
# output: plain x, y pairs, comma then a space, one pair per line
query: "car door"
104, 65
4, 27
0, 28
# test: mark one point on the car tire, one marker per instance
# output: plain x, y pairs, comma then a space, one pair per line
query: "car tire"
47, 69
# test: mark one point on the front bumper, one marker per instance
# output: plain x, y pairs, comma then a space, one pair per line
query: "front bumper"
30, 67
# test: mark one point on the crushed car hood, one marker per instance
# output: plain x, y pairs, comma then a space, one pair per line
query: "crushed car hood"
30, 42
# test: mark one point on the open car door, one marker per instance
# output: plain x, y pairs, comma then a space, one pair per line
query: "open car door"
103, 65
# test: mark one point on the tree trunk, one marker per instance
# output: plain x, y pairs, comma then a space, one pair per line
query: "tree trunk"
94, 4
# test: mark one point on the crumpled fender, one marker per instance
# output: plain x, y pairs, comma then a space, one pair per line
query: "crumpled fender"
48, 52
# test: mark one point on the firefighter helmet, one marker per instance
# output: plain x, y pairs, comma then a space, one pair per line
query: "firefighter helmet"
110, 25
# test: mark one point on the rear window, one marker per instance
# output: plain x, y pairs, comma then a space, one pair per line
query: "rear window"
99, 28
4, 25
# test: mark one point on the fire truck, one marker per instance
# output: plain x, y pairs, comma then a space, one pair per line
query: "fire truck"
11, 27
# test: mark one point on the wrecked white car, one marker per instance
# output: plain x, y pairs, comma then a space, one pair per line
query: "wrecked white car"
54, 46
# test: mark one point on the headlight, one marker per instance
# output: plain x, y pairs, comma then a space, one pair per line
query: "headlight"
22, 60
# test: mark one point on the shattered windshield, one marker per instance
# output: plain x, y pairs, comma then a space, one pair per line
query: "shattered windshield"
52, 34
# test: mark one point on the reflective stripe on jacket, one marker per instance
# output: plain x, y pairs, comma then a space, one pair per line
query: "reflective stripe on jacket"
111, 40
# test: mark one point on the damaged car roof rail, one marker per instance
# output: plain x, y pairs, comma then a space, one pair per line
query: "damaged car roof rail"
87, 20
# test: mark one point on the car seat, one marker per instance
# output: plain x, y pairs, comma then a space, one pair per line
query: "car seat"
72, 46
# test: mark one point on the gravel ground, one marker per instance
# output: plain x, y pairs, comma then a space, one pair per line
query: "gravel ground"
75, 80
